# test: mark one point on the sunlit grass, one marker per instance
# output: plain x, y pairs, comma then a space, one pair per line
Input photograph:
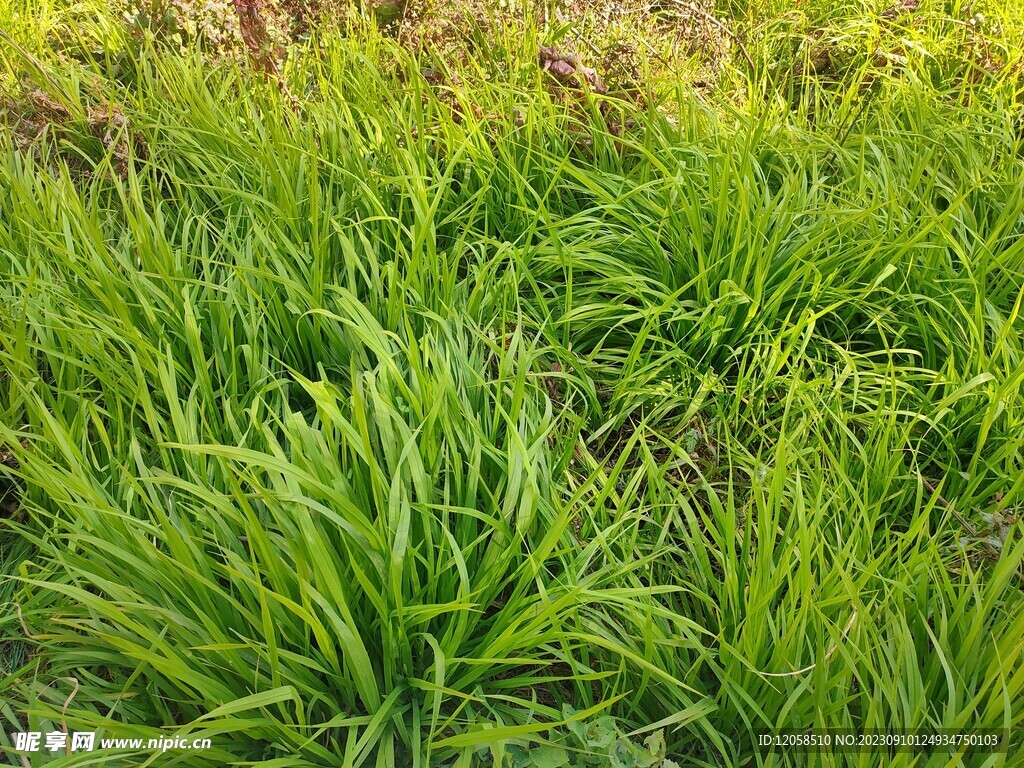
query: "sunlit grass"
381, 432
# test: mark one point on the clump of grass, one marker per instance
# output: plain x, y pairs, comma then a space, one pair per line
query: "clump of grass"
447, 415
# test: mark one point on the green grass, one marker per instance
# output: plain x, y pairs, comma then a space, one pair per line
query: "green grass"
389, 433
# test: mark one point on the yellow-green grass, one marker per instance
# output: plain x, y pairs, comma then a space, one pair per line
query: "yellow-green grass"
403, 428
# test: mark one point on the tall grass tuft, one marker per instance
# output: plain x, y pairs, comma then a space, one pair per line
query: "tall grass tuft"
430, 423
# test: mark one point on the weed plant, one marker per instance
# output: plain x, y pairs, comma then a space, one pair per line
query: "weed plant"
434, 424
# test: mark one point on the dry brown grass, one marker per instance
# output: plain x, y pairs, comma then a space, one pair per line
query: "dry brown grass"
621, 41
